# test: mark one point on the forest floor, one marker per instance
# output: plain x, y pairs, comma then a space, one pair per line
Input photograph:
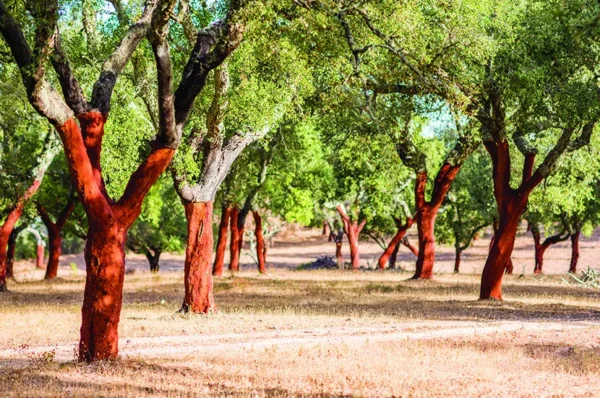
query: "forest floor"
310, 333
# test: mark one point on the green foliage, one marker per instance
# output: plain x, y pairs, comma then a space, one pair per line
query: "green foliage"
162, 225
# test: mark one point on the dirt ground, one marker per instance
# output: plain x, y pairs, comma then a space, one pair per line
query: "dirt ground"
313, 333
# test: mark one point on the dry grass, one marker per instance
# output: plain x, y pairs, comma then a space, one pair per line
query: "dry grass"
564, 361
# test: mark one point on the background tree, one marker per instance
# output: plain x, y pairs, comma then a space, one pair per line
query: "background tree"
469, 206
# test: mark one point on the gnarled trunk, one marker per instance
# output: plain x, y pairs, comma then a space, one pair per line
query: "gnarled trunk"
103, 294
198, 259
234, 243
574, 250
261, 250
222, 241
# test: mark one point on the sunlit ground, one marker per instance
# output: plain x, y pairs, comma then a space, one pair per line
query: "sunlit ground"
311, 333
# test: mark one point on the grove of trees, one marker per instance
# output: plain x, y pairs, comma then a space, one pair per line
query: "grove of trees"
125, 124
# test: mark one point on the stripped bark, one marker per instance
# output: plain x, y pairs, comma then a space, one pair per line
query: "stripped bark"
394, 244
541, 247
81, 127
352, 229
512, 202
55, 235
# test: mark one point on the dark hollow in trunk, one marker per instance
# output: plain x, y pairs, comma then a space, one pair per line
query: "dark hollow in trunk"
198, 259
261, 250
222, 241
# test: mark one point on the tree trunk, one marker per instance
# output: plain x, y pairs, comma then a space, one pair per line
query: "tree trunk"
394, 243
198, 256
427, 213
353, 242
7, 228
394, 257
55, 248
574, 250
352, 230
153, 260
338, 254
426, 256
501, 250
222, 241
39, 256
260, 243
326, 230
539, 259
458, 252
10, 254
103, 294
234, 244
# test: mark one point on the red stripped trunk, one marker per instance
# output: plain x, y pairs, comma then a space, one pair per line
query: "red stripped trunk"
55, 235
103, 294
394, 243
55, 247
261, 250
353, 242
234, 244
574, 251
352, 230
426, 255
7, 228
222, 241
108, 222
198, 259
39, 257
511, 205
539, 259
427, 213
500, 252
